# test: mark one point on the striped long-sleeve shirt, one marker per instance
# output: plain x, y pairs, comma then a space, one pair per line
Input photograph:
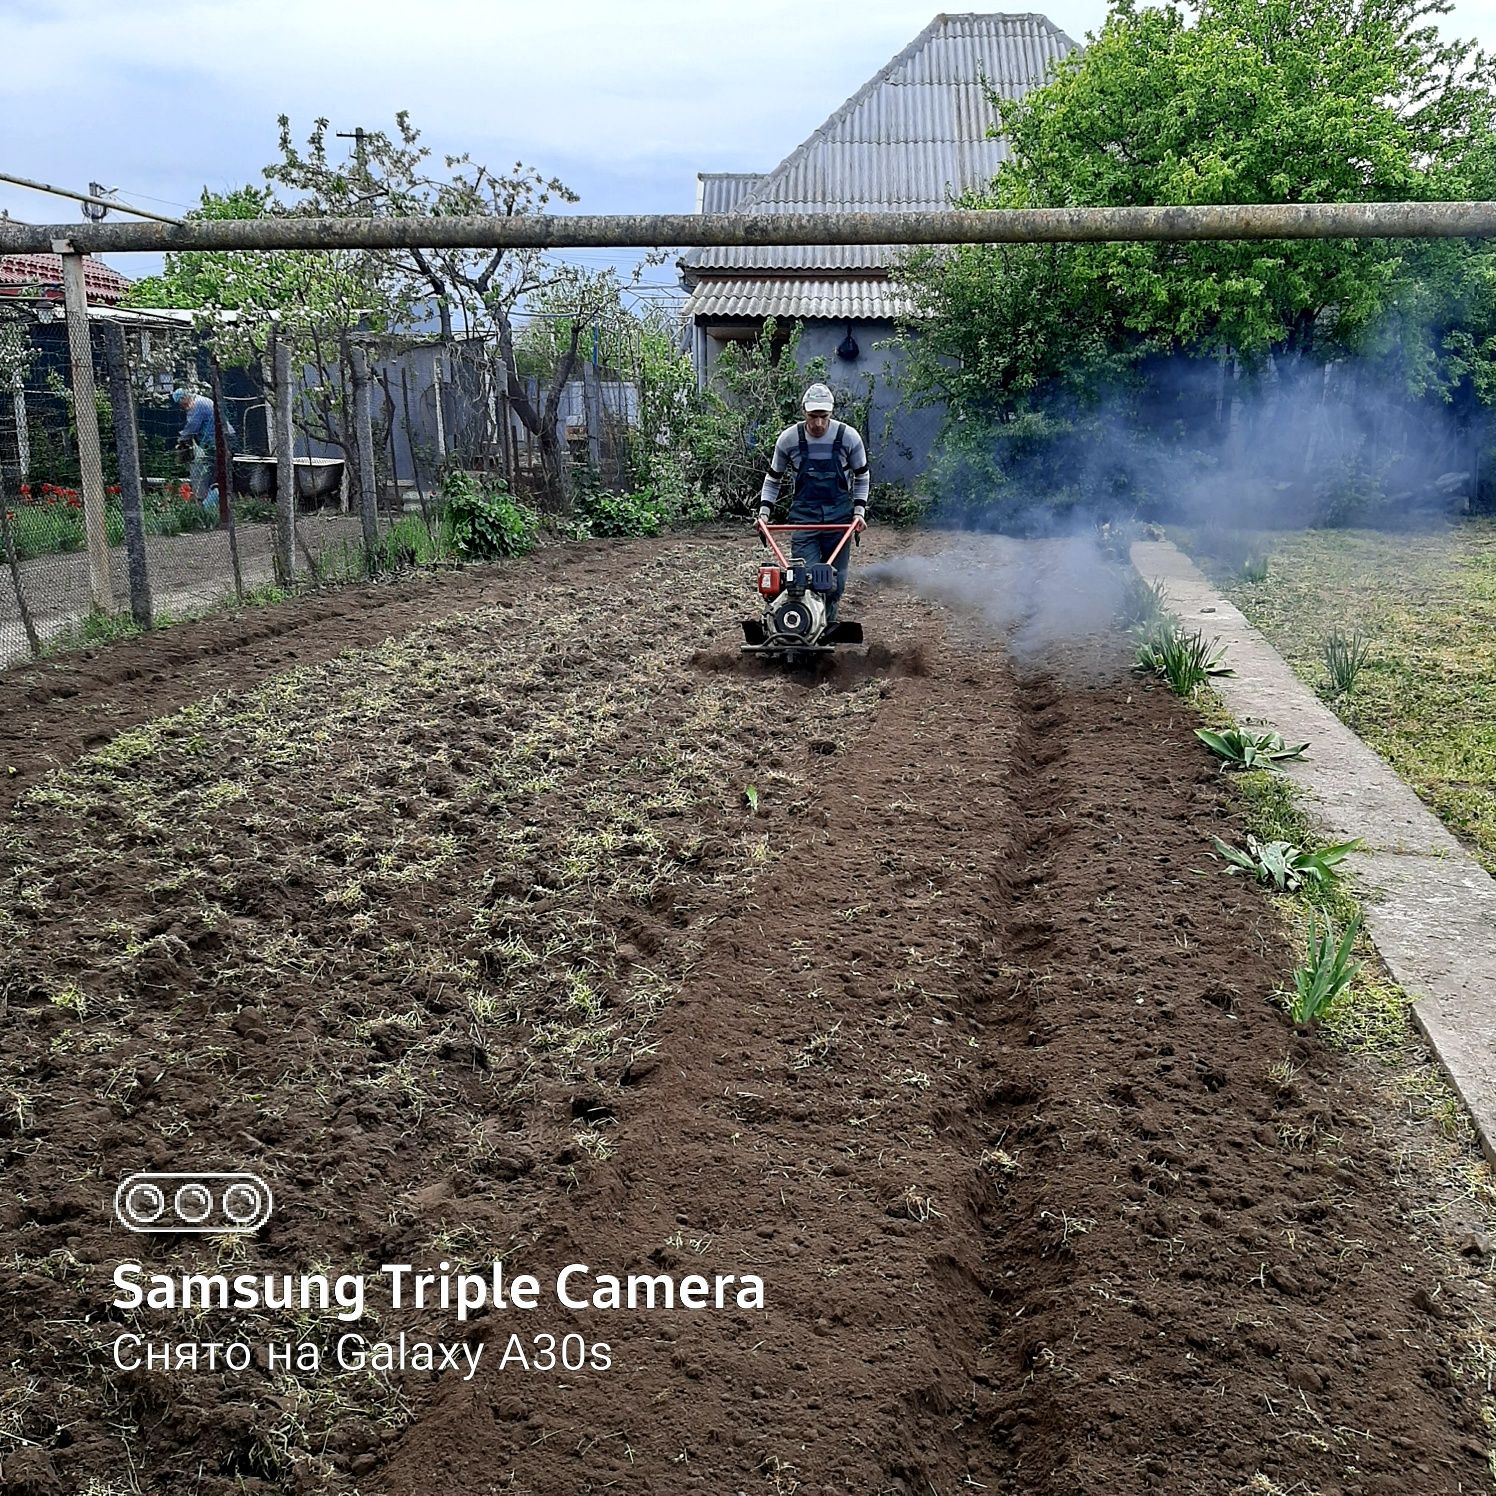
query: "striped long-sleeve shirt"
786, 460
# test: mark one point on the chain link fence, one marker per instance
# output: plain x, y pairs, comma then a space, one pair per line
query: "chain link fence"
410, 410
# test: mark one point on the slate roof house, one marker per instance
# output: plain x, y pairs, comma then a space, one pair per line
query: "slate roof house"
912, 137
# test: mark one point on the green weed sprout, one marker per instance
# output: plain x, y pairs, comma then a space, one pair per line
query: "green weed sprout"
1344, 655
1326, 973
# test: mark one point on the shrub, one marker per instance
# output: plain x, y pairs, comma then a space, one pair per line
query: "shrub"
1283, 865
1144, 605
897, 505
623, 513
1351, 492
190, 516
254, 511
670, 496
485, 522
1185, 661
1249, 750
405, 544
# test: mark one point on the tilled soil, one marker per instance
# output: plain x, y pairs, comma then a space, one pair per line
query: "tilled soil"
533, 930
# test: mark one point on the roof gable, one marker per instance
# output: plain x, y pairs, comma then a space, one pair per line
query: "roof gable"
914, 136
916, 133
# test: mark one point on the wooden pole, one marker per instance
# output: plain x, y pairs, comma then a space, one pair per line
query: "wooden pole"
363, 430
225, 496
86, 418
285, 464
8, 545
127, 451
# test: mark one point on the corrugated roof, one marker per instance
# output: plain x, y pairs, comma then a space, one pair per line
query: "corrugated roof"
722, 191
841, 300
912, 137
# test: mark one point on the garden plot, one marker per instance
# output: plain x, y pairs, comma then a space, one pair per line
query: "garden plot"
535, 929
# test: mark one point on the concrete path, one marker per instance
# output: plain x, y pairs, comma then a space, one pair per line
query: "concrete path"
189, 574
1430, 907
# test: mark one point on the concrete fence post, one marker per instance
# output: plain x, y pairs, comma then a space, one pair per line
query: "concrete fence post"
86, 419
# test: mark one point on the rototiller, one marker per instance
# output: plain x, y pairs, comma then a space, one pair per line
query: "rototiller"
795, 592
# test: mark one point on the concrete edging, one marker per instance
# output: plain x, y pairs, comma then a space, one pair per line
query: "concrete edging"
1430, 907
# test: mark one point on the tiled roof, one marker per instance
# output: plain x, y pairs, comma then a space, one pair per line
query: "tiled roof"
44, 272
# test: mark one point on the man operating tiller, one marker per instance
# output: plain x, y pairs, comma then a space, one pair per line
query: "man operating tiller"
830, 467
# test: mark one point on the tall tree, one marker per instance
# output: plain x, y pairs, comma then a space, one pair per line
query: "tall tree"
319, 299
1216, 101
471, 291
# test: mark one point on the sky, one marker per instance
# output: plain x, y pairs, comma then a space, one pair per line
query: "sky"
623, 100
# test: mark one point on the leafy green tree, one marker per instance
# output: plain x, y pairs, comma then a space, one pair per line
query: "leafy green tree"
324, 297
1215, 101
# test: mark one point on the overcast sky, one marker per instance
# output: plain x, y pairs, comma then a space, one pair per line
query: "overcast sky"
624, 100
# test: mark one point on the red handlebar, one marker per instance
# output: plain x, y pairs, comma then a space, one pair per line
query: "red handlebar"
769, 532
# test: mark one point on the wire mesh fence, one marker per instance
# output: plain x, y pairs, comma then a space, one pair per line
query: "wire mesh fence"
375, 429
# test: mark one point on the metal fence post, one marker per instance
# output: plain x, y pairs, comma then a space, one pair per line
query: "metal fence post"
127, 451
441, 423
363, 427
86, 418
285, 464
410, 444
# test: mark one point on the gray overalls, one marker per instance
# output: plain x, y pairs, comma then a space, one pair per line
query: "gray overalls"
823, 496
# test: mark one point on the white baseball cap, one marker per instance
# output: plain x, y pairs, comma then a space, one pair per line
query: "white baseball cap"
818, 397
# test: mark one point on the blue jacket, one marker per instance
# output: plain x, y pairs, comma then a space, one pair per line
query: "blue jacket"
199, 427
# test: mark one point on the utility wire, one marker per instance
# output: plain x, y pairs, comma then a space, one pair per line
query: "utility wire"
86, 197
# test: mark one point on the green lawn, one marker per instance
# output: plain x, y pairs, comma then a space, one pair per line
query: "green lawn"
1426, 699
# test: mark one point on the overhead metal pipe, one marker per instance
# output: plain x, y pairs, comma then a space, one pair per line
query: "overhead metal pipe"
653, 230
